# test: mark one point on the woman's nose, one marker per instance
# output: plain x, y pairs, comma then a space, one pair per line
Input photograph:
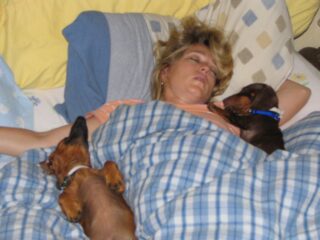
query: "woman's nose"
204, 68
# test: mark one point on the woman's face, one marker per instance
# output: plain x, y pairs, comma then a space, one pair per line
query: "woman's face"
191, 78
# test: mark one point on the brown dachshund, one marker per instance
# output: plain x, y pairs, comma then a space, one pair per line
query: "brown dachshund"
90, 196
254, 111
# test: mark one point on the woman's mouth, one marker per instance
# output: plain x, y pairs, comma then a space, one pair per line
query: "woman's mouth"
201, 78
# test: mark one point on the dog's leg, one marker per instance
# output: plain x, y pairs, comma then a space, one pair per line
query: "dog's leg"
240, 121
221, 112
70, 206
113, 177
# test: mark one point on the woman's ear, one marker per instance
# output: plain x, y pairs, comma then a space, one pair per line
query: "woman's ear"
164, 74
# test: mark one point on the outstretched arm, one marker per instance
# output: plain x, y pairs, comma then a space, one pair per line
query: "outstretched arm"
15, 141
292, 97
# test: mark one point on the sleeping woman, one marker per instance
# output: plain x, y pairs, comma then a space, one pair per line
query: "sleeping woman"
193, 66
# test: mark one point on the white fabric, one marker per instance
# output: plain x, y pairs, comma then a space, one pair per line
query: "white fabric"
305, 74
45, 116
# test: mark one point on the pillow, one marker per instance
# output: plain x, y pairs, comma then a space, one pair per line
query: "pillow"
31, 39
110, 55
302, 13
261, 38
305, 74
15, 108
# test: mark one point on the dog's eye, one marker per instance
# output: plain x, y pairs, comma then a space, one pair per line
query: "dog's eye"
252, 95
50, 160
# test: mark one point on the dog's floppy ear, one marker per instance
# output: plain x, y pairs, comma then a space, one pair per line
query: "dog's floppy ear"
46, 166
266, 97
79, 131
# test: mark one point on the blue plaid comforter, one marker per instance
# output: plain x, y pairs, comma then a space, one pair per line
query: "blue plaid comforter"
186, 179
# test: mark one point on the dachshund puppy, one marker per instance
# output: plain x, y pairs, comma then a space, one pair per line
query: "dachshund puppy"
254, 111
90, 196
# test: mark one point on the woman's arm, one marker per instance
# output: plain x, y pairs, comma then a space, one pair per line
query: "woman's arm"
292, 97
15, 141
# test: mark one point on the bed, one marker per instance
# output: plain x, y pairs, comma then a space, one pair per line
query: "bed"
186, 178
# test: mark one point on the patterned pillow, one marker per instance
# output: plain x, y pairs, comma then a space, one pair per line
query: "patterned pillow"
261, 36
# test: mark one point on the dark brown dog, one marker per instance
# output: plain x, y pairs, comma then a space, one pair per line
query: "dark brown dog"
253, 110
90, 196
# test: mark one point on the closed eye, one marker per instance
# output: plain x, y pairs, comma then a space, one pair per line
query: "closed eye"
199, 58
194, 59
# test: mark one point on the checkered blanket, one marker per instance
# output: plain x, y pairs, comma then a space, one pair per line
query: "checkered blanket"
186, 179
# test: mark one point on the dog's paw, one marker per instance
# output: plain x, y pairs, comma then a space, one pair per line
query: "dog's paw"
70, 207
211, 106
113, 177
117, 187
75, 218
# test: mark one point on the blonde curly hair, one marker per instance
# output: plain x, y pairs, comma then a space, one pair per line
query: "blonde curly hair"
193, 31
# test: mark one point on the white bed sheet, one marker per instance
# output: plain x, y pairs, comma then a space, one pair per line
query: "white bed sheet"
306, 74
45, 116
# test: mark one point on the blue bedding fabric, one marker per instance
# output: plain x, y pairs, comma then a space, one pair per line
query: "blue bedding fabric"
186, 179
88, 65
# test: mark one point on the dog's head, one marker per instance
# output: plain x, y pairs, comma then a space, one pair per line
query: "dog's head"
71, 151
254, 96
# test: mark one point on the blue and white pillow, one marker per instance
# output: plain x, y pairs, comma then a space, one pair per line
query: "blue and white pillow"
16, 110
110, 57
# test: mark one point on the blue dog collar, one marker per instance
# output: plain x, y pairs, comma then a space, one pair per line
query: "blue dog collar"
269, 113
